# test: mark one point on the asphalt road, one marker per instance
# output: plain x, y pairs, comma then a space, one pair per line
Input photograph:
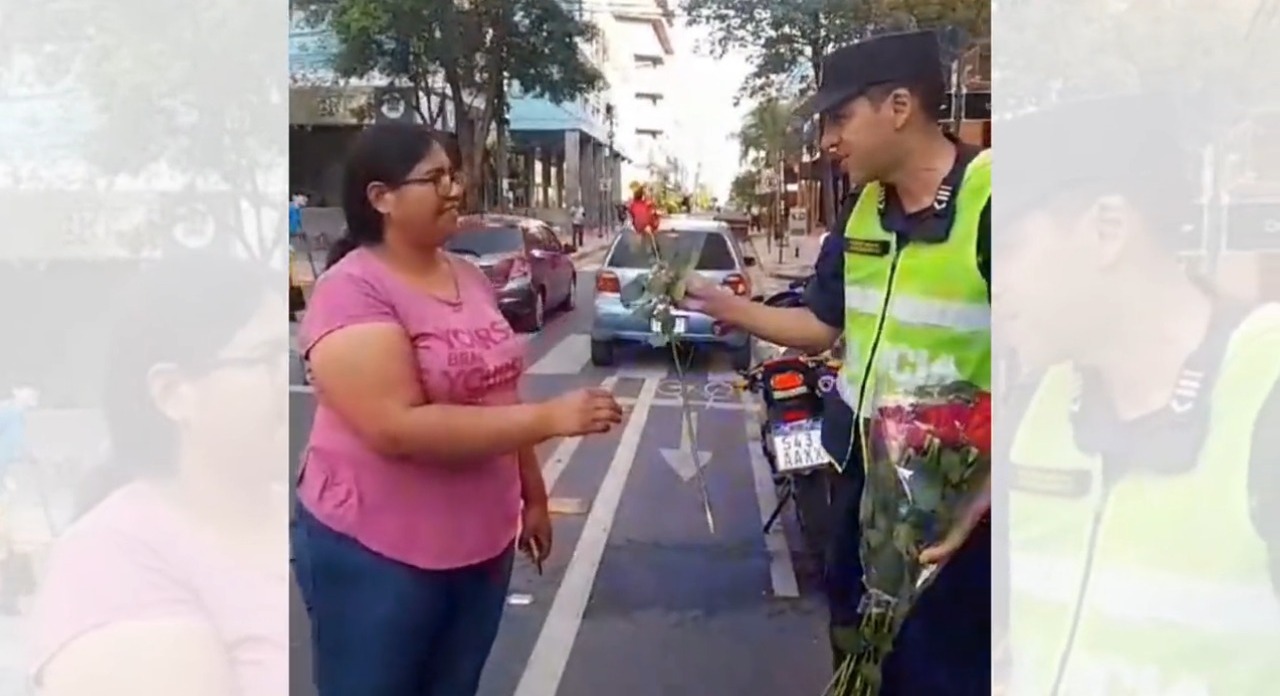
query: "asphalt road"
638, 597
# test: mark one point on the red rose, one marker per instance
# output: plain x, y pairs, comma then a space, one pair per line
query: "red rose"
977, 428
944, 422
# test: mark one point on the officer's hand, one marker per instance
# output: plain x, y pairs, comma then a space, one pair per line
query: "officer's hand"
969, 520
702, 295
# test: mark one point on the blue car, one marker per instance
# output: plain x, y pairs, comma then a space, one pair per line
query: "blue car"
719, 258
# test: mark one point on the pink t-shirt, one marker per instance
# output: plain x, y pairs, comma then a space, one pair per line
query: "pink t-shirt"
134, 557
429, 514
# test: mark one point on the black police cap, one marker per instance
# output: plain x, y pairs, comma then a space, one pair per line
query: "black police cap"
1130, 144
849, 71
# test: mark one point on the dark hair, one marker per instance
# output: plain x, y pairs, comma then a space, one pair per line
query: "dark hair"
638, 194
384, 152
928, 93
225, 293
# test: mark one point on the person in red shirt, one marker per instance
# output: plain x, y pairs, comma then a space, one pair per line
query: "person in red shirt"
644, 214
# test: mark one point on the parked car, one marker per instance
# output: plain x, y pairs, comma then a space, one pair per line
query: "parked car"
529, 266
719, 257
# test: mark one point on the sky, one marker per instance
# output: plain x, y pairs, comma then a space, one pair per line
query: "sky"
705, 115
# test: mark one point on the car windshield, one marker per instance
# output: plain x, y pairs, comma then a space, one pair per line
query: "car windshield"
711, 249
480, 241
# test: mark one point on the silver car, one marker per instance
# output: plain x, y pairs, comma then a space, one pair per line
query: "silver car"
719, 258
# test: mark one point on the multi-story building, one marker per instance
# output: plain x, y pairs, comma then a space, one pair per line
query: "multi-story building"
326, 112
644, 61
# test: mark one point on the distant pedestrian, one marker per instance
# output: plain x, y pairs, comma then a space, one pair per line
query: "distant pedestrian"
298, 242
578, 216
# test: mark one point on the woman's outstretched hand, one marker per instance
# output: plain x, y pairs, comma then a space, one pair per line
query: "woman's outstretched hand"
583, 412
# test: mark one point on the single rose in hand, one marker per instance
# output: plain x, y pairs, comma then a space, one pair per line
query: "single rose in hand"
535, 532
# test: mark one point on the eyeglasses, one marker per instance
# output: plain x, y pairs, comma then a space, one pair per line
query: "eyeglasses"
443, 179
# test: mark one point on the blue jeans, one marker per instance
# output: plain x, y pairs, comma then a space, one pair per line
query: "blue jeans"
383, 628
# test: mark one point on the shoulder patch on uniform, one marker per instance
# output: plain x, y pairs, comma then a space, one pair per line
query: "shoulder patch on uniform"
867, 247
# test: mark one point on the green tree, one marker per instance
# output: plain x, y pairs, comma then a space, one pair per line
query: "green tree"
476, 49
175, 107
971, 16
784, 41
742, 192
766, 136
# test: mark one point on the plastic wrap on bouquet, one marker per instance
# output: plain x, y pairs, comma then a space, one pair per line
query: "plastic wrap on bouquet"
927, 456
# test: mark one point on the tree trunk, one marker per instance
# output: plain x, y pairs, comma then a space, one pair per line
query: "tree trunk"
828, 170
472, 163
500, 157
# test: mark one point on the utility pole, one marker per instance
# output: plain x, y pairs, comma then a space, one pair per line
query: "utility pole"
611, 117
501, 109
779, 224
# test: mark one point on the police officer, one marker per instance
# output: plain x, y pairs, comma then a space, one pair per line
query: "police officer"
910, 249
1145, 486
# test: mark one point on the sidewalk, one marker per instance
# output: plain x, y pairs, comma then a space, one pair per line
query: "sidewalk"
797, 259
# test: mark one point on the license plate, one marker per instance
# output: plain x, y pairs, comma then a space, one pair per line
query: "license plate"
798, 446
679, 325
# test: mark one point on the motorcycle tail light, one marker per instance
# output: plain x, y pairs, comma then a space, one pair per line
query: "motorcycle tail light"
794, 415
607, 283
786, 381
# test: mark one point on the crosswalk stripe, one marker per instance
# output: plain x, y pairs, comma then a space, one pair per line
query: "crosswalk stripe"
567, 357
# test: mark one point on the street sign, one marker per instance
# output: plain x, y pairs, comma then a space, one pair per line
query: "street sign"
1252, 226
798, 221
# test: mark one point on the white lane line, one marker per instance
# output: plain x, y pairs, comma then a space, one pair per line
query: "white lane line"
782, 574
629, 401
563, 453
567, 357
545, 668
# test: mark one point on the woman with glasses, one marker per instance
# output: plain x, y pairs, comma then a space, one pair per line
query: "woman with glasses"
419, 480
172, 579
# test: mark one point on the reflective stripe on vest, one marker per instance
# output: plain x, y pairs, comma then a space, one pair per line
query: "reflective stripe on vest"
1149, 584
915, 314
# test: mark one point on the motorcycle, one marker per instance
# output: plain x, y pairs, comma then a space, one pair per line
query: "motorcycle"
791, 387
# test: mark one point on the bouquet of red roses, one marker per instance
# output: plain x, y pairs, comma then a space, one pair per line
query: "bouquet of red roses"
927, 457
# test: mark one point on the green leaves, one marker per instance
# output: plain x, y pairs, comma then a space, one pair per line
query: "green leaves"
475, 51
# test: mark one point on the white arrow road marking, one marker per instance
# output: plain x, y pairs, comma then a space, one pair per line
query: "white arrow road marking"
681, 460
550, 655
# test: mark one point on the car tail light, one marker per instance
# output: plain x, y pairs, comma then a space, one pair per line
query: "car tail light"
508, 270
738, 284
607, 283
